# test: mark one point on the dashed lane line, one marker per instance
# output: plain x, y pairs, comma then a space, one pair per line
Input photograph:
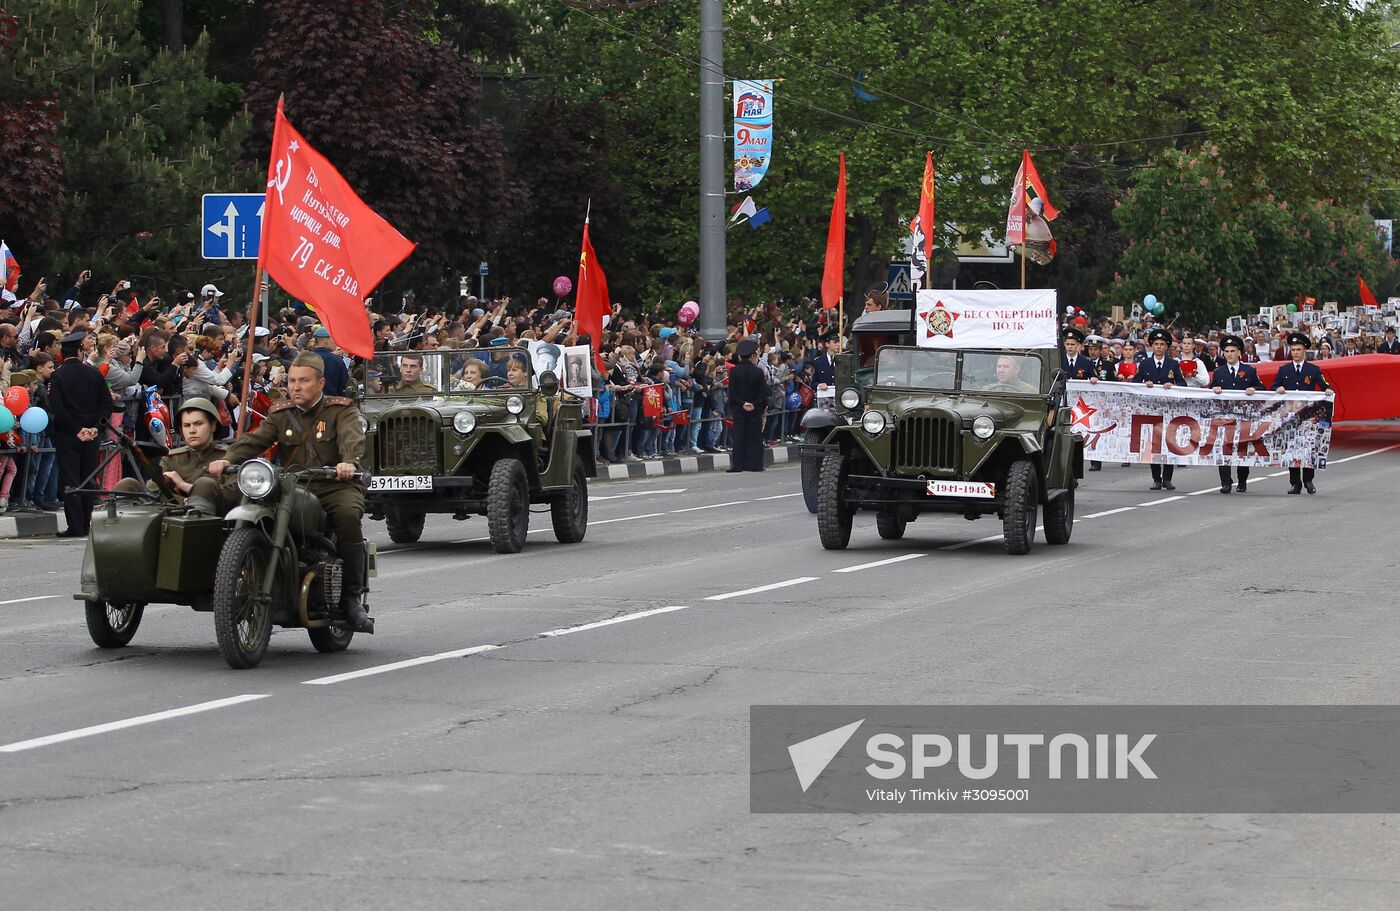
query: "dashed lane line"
858, 568
23, 600
710, 506
399, 665
1158, 502
129, 723
1109, 512
612, 620
762, 588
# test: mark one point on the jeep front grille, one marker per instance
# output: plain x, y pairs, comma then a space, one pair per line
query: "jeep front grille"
408, 444
925, 443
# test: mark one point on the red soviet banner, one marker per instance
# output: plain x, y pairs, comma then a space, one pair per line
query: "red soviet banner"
1367, 385
320, 242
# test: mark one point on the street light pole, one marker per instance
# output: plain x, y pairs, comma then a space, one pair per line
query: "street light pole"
712, 322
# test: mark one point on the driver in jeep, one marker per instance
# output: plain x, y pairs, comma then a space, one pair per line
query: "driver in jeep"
411, 376
315, 430
1009, 377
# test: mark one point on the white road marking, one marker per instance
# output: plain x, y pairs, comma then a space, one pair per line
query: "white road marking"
399, 665
781, 496
611, 620
1196, 493
649, 515
762, 588
711, 506
856, 569
1364, 454
962, 544
22, 600
639, 493
1110, 512
129, 723
1155, 502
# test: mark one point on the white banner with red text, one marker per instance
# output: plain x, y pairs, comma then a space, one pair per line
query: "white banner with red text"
1127, 422
986, 319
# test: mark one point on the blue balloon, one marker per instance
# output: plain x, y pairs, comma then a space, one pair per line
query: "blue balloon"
794, 401
1150, 301
7, 419
34, 420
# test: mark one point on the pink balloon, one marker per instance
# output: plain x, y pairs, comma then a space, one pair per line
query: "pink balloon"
689, 312
562, 286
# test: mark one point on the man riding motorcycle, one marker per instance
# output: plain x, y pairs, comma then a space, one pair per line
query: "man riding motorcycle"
315, 430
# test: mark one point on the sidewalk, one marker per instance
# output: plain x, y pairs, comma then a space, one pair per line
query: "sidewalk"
688, 464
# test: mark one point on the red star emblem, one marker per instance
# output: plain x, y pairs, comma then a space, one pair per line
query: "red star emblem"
1081, 412
939, 320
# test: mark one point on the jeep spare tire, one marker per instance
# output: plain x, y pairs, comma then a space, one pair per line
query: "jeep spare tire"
404, 527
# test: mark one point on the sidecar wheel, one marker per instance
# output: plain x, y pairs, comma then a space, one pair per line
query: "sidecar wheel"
242, 613
112, 624
330, 639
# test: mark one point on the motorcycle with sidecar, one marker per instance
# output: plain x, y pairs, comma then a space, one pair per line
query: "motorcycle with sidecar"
271, 560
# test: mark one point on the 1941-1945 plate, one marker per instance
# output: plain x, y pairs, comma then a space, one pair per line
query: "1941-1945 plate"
962, 489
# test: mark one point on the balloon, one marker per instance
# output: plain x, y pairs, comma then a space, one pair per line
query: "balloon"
1080, 321
1292, 308
689, 312
7, 419
794, 401
17, 399
34, 420
1149, 301
562, 286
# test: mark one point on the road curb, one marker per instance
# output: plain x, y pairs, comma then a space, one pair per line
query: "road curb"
687, 464
29, 525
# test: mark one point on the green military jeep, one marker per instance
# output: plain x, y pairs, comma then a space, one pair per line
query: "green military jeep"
446, 432
973, 432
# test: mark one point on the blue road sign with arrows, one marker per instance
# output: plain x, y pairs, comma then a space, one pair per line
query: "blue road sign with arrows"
232, 225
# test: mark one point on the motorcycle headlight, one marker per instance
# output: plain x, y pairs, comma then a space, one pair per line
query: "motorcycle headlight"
256, 479
464, 422
873, 422
984, 427
850, 399
515, 404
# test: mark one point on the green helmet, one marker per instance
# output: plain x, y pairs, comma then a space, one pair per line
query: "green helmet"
200, 404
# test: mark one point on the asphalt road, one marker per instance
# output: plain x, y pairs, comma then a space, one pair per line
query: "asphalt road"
544, 758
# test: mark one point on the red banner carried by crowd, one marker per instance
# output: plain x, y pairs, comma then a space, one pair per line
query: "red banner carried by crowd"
320, 242
1367, 385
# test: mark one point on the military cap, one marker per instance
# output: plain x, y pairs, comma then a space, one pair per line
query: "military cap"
1074, 333
73, 340
200, 404
321, 332
23, 377
1298, 338
746, 348
1157, 334
1231, 341
310, 359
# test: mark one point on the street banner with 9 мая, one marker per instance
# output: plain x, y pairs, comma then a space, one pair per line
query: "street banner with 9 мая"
320, 242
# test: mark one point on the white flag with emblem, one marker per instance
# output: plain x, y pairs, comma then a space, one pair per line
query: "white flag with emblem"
986, 319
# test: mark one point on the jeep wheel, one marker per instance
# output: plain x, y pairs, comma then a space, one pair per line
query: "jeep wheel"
1059, 517
811, 472
1018, 511
569, 510
890, 526
404, 527
508, 506
833, 514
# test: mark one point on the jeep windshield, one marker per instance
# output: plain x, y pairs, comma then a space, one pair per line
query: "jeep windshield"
961, 371
444, 371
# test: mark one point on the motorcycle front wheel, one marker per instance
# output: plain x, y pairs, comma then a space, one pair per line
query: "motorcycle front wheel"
242, 612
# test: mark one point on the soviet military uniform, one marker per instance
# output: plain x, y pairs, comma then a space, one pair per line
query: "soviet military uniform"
192, 465
320, 436
416, 388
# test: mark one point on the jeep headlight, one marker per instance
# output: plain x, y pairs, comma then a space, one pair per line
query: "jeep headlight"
256, 479
850, 399
464, 422
874, 422
515, 404
984, 427
366, 425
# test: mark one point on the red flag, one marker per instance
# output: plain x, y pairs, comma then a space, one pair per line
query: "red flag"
924, 221
1027, 177
1366, 296
832, 277
591, 303
320, 242
653, 403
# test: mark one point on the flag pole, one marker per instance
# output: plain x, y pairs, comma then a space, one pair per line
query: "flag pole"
244, 408
1022, 189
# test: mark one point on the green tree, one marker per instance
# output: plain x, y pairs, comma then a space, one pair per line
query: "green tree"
137, 148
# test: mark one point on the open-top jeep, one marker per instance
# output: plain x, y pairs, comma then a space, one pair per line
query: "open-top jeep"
974, 432
441, 438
